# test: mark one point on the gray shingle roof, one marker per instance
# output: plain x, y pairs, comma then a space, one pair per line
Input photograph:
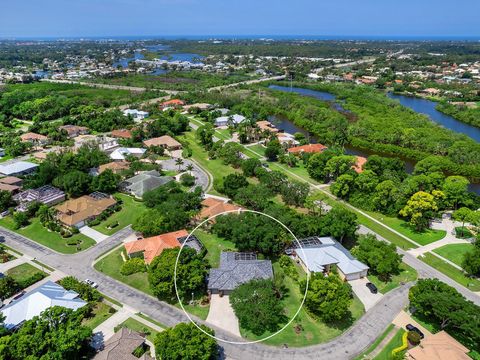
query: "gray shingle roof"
234, 272
146, 181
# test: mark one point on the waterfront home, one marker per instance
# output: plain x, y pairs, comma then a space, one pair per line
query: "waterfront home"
234, 119
310, 148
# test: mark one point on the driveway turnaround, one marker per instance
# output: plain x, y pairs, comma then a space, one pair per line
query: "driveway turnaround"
403, 319
221, 314
360, 289
93, 234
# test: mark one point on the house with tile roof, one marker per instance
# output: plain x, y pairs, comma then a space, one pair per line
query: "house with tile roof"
122, 345
116, 166
74, 130
10, 184
212, 207
121, 134
143, 182
34, 302
172, 103
266, 125
34, 138
359, 162
309, 148
237, 268
318, 254
165, 141
439, 346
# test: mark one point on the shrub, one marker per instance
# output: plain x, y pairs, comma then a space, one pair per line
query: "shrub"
85, 291
413, 337
73, 242
112, 225
288, 267
187, 180
133, 266
31, 280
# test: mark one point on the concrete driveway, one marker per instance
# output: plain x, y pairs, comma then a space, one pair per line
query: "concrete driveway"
360, 289
221, 314
93, 234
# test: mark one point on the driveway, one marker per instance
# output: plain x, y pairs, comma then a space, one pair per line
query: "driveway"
360, 289
93, 234
221, 314
403, 318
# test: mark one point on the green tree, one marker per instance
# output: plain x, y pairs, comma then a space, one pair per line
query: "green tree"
340, 223
339, 165
316, 165
106, 182
250, 165
420, 209
343, 186
386, 196
6, 200
20, 219
186, 342
257, 306
205, 135
294, 192
455, 189
463, 215
273, 150
75, 183
8, 287
232, 183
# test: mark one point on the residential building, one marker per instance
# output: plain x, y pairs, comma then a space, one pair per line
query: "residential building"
149, 248
199, 106
74, 130
122, 345
167, 142
310, 148
103, 142
439, 346
11, 180
46, 195
359, 162
121, 134
287, 139
33, 303
318, 254
172, 103
234, 119
122, 153
18, 168
76, 212
12, 189
143, 182
34, 138
265, 125
117, 167
212, 207
137, 115
235, 269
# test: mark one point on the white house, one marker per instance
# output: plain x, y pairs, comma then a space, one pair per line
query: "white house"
234, 119
18, 168
137, 115
121, 153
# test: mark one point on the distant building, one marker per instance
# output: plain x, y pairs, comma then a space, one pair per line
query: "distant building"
10, 184
143, 182
74, 130
18, 168
116, 166
265, 125
167, 142
103, 142
34, 138
199, 106
212, 207
234, 119
236, 269
2, 152
287, 139
310, 148
122, 134
318, 254
359, 162
122, 345
172, 103
137, 115
33, 303
123, 153
46, 195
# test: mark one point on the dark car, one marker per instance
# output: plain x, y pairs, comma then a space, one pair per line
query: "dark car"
411, 327
373, 289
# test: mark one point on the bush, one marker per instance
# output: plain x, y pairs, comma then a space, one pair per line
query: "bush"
73, 242
187, 180
413, 337
31, 280
85, 291
112, 225
133, 266
288, 267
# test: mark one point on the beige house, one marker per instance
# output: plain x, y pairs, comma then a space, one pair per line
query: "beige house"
167, 142
439, 346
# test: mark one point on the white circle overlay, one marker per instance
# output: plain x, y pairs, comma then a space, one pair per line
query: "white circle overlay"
188, 315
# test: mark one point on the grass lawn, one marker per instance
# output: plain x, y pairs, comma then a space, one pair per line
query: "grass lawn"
376, 343
260, 149
313, 331
36, 232
131, 209
214, 246
100, 313
151, 320
23, 272
406, 274
135, 325
451, 272
454, 252
386, 353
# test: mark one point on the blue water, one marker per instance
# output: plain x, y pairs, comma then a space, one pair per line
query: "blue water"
427, 107
190, 57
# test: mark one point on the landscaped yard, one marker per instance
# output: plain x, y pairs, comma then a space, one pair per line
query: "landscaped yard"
137, 326
451, 272
260, 149
131, 209
406, 274
312, 331
386, 353
214, 246
423, 238
38, 233
24, 272
454, 252
100, 313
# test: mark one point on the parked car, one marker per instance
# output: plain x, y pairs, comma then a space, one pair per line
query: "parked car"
411, 327
373, 289
93, 284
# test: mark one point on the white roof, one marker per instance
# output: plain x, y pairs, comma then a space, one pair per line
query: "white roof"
33, 303
120, 153
236, 119
328, 253
17, 167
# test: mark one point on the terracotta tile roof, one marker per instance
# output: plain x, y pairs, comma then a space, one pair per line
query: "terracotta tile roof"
439, 346
360, 161
73, 211
173, 102
124, 134
165, 141
212, 207
11, 180
9, 188
153, 246
115, 166
267, 126
30, 136
310, 148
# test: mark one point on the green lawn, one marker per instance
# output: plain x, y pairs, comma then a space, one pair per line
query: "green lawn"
406, 274
260, 149
163, 326
376, 343
454, 252
386, 353
36, 232
451, 272
23, 272
131, 209
423, 238
313, 331
135, 325
214, 246
100, 313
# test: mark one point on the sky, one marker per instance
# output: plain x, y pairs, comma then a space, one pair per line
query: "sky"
384, 18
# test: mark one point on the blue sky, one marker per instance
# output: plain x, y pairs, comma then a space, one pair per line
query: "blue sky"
41, 18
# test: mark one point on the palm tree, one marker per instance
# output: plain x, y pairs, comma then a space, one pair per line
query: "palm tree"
190, 168
179, 163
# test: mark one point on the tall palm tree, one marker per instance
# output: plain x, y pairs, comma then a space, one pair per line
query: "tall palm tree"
190, 167
179, 162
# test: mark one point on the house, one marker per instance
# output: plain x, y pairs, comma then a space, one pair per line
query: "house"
76, 212
122, 153
167, 142
33, 303
172, 103
267, 126
121, 134
359, 162
34, 138
287, 139
103, 142
318, 254
234, 119
199, 106
46, 195
149, 248
439, 346
137, 115
122, 345
18, 168
310, 148
74, 130
143, 182
212, 207
235, 269
117, 167
10, 184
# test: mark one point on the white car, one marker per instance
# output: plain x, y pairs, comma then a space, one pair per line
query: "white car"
93, 284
